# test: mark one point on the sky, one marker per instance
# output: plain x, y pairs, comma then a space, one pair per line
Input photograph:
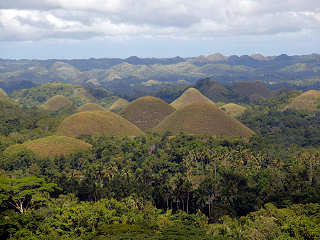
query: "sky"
43, 29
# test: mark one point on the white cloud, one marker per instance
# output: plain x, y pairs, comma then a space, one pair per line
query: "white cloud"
41, 19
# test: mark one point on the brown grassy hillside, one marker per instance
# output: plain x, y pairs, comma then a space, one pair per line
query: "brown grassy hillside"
3, 93
309, 100
90, 107
234, 110
203, 118
191, 95
97, 123
55, 145
118, 105
214, 90
56, 103
146, 112
254, 90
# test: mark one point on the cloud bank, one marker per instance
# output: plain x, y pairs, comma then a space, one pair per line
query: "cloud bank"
22, 20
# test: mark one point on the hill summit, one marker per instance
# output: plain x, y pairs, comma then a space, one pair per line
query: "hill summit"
2, 93
234, 110
309, 100
146, 112
90, 107
50, 146
191, 95
203, 118
97, 123
118, 105
56, 103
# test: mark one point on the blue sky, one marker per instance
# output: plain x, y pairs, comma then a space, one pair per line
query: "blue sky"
41, 29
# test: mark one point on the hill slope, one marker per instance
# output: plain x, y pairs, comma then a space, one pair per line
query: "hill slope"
55, 145
78, 95
146, 112
203, 118
97, 123
56, 103
234, 110
191, 95
309, 100
2, 93
118, 105
90, 107
252, 90
214, 90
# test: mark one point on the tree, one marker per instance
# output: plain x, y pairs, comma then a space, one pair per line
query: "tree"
24, 193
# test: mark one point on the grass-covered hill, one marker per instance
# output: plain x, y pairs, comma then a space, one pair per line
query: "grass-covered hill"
56, 103
50, 146
123, 76
118, 105
246, 92
191, 95
214, 90
203, 118
90, 107
309, 100
252, 90
78, 95
234, 110
97, 123
146, 112
2, 93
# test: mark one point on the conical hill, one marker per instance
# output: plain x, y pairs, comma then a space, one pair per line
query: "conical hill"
56, 103
191, 95
118, 105
203, 118
146, 112
97, 123
234, 110
90, 107
309, 100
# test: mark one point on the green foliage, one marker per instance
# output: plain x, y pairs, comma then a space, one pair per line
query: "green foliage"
24, 193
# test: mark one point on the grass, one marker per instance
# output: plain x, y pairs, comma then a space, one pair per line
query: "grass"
3, 94
234, 110
90, 107
191, 95
56, 103
307, 101
97, 123
146, 112
252, 89
51, 146
118, 105
203, 118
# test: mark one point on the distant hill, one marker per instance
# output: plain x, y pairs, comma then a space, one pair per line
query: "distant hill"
90, 107
118, 105
214, 90
135, 77
146, 112
309, 100
203, 118
55, 145
234, 110
253, 90
65, 72
56, 103
2, 93
97, 123
191, 95
78, 95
